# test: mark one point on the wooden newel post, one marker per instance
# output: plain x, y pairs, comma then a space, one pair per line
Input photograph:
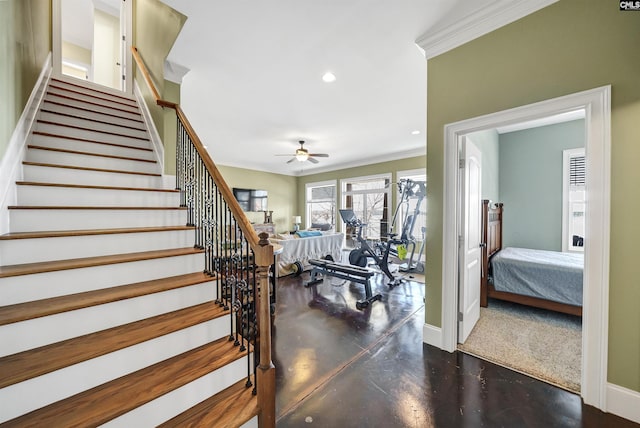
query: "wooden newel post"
266, 371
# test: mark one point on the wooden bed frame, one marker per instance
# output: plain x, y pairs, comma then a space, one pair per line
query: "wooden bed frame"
491, 244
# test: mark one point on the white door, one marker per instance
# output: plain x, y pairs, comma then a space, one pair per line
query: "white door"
470, 256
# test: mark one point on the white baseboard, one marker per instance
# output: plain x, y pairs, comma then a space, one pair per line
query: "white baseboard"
11, 162
623, 402
432, 335
158, 145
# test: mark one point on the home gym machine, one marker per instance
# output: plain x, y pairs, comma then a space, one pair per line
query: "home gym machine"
356, 274
380, 252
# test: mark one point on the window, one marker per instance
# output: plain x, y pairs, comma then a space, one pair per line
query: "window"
573, 199
321, 205
369, 198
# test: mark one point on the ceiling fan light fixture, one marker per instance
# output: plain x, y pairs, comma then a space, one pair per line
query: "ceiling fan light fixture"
302, 156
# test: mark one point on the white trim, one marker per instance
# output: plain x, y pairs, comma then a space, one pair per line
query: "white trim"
158, 146
326, 183
364, 161
56, 46
481, 22
566, 170
623, 402
596, 103
174, 72
432, 335
11, 162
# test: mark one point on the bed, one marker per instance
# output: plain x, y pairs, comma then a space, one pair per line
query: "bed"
301, 249
544, 279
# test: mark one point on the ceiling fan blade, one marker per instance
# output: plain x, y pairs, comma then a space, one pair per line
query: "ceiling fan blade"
291, 160
319, 155
312, 160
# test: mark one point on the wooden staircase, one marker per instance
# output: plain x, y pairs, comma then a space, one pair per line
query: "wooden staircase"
107, 317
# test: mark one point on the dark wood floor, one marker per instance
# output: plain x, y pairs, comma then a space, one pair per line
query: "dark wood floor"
341, 367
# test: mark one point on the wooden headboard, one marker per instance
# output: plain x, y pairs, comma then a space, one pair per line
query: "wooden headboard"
491, 242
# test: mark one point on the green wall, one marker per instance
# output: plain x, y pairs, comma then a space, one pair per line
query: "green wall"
282, 194
156, 27
393, 167
488, 142
531, 183
570, 46
25, 42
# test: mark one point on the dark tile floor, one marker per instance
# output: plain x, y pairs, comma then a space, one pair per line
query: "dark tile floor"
341, 367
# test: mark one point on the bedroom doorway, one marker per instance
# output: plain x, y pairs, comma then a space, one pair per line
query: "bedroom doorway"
596, 104
524, 175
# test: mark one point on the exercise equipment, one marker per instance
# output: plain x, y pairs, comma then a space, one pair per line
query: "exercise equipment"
410, 190
380, 254
355, 274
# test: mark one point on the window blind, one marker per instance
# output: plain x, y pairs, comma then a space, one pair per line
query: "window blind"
577, 171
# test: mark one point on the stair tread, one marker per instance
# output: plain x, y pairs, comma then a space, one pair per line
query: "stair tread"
46, 359
82, 128
227, 409
130, 103
55, 305
78, 152
58, 265
88, 88
89, 119
51, 165
88, 110
86, 140
69, 97
84, 186
86, 232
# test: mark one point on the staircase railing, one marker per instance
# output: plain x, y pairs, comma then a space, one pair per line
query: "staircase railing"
236, 256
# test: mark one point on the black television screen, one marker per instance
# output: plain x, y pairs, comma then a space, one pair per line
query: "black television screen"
251, 199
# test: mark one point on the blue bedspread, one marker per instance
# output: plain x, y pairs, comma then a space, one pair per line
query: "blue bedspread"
545, 274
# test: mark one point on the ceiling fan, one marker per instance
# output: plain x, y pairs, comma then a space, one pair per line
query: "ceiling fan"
303, 154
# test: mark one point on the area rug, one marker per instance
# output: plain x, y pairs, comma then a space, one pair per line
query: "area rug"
542, 344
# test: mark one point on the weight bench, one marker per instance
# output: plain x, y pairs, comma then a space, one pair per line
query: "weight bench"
351, 273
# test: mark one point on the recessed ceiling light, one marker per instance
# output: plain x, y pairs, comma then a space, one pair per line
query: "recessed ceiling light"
329, 77
415, 132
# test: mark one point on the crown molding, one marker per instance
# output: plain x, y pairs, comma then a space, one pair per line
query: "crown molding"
174, 72
493, 16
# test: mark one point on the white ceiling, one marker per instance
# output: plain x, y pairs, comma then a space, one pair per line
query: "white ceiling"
254, 87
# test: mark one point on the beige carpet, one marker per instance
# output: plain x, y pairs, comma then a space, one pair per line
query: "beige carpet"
542, 344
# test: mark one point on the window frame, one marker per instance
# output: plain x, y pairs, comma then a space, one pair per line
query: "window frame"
567, 155
307, 201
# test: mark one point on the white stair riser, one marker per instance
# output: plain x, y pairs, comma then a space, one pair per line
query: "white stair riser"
27, 220
69, 381
65, 131
86, 146
90, 124
33, 333
61, 196
92, 114
175, 402
90, 161
19, 251
25, 288
83, 97
46, 174
94, 106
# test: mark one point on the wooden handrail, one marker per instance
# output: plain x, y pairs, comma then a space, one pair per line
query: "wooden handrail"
238, 214
263, 251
